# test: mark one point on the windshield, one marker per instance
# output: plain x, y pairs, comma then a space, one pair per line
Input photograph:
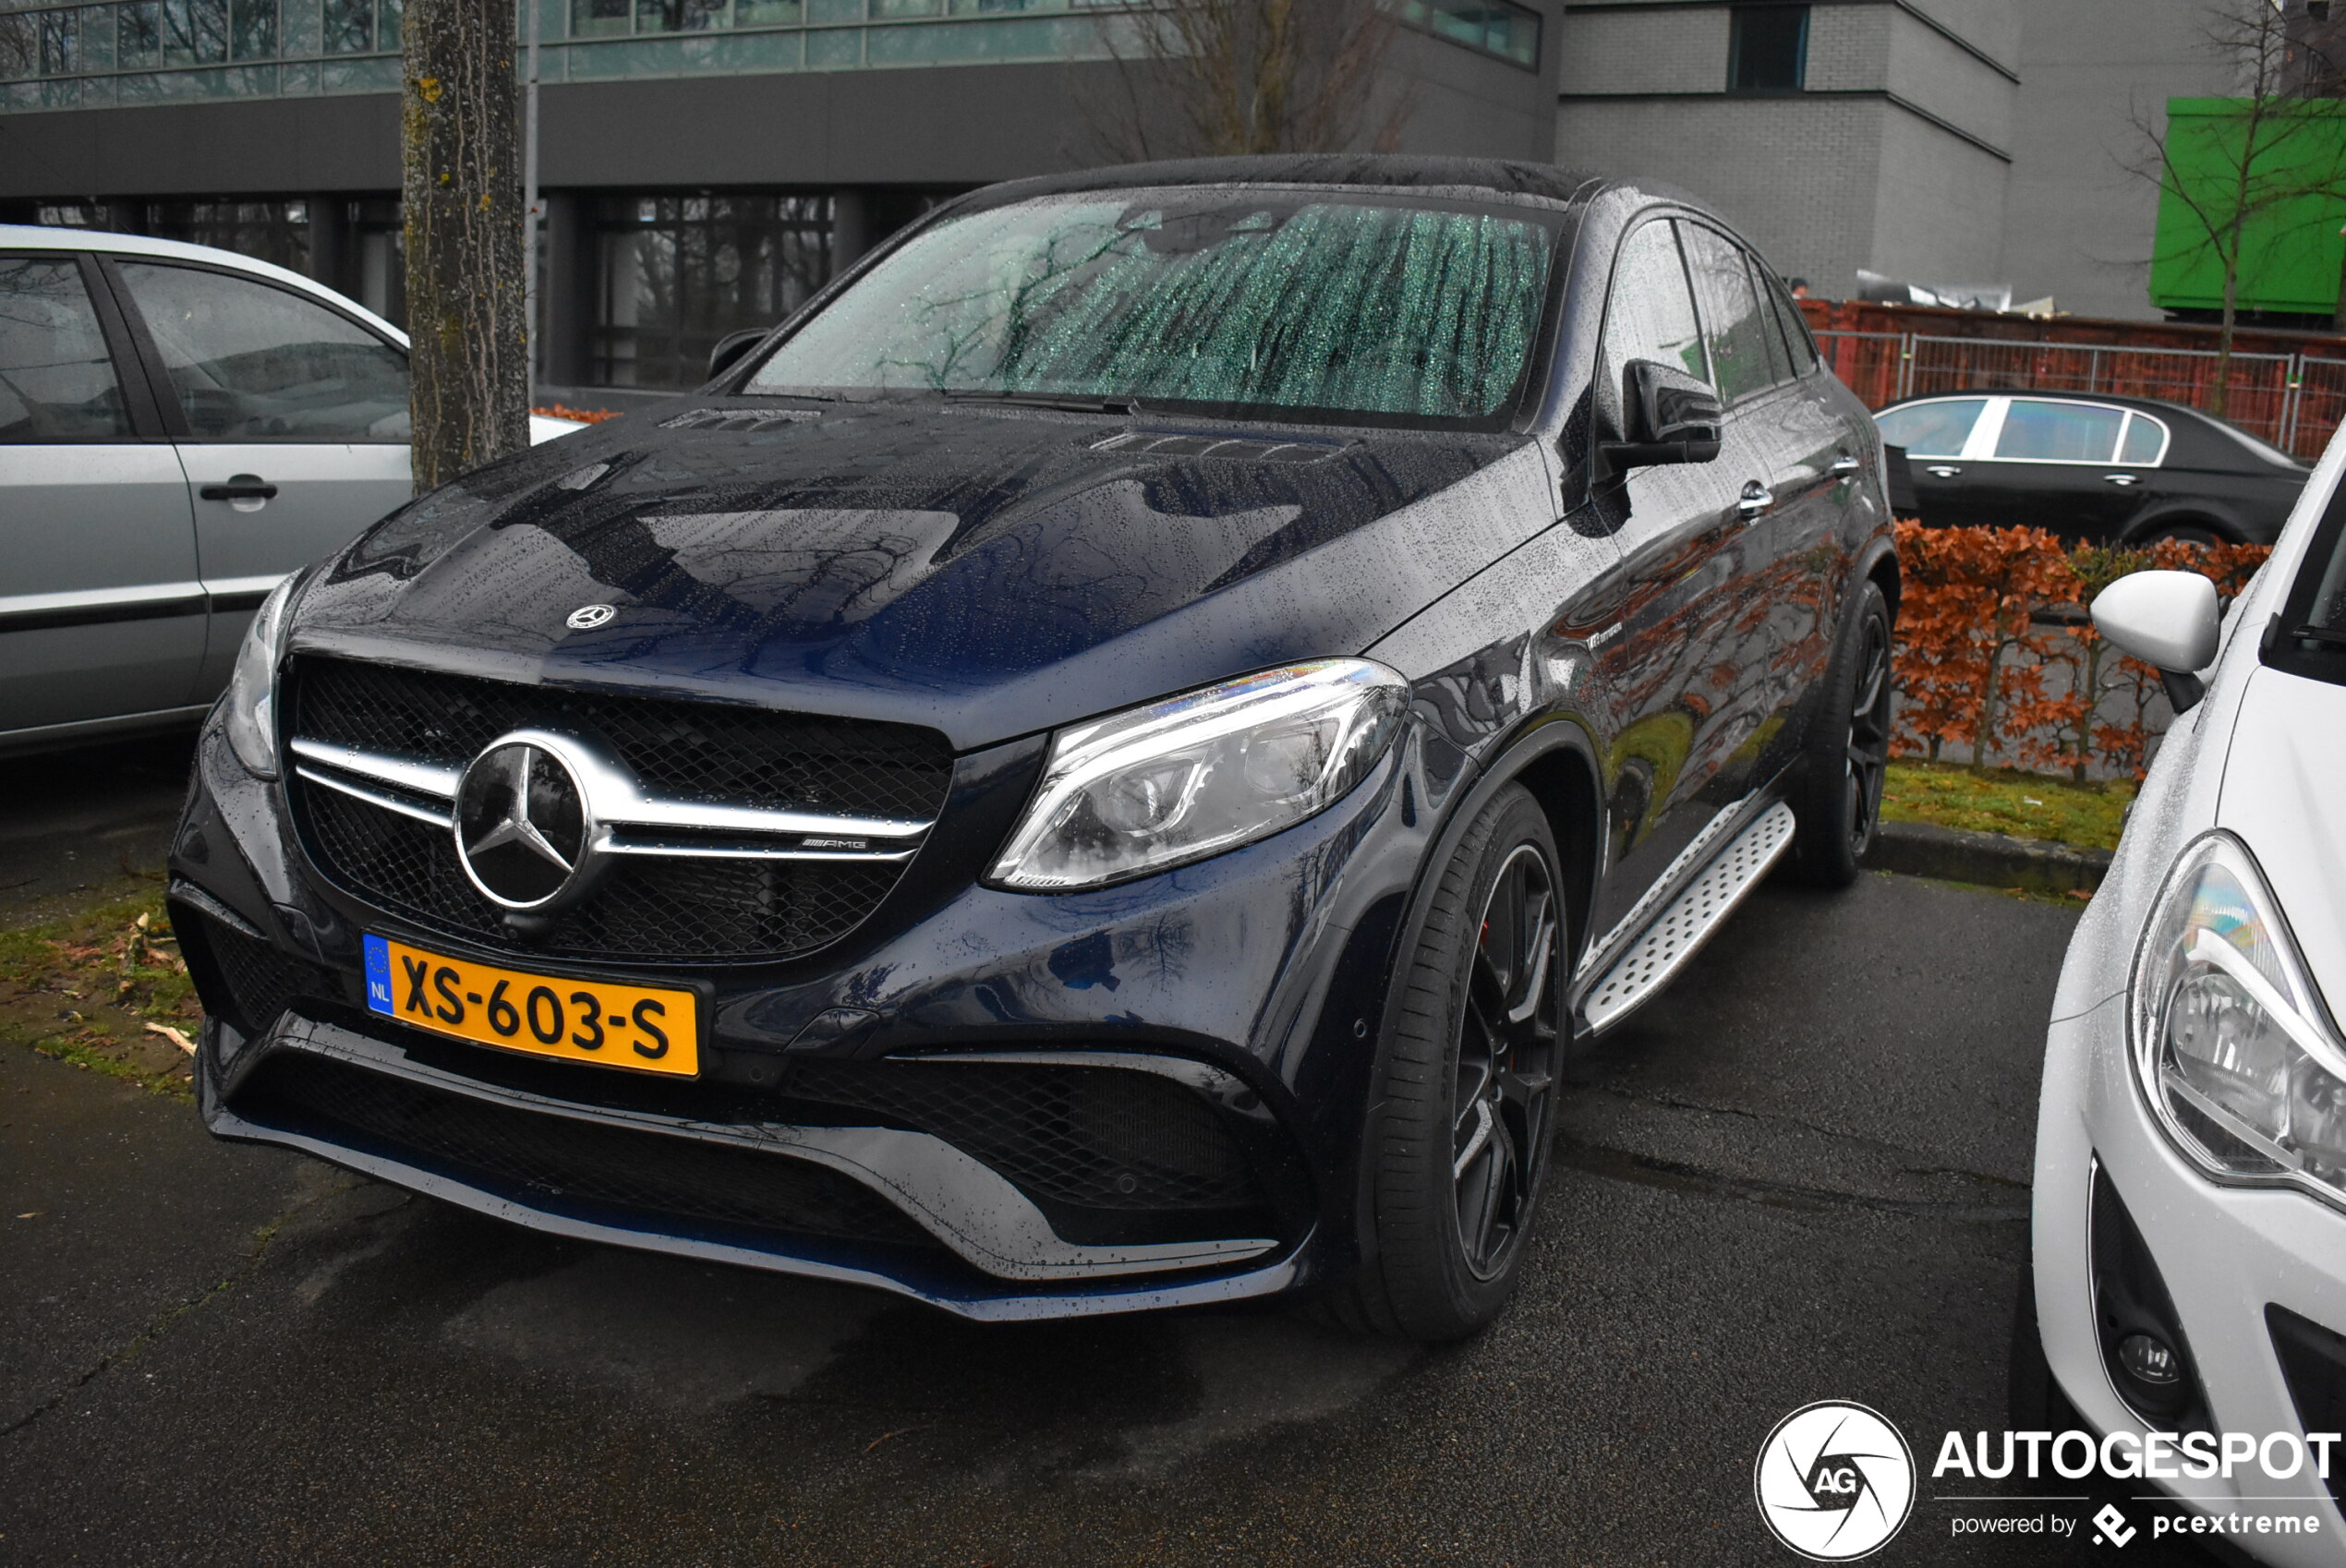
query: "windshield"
1255, 301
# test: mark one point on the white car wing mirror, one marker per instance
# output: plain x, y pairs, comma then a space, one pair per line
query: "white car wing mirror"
2169, 621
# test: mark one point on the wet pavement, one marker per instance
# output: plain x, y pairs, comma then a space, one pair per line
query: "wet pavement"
1801, 1175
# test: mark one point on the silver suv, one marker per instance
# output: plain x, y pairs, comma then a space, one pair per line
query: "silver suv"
179, 428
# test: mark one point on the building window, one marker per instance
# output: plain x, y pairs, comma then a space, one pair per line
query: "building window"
1768, 49
1495, 27
677, 272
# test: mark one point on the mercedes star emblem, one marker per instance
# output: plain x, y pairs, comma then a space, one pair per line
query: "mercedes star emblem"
521, 825
587, 617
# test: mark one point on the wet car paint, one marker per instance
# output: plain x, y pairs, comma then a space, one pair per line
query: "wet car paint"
994, 574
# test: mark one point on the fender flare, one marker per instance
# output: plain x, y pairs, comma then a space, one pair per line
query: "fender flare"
1548, 735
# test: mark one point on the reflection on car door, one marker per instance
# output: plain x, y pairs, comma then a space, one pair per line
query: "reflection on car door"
1677, 624
100, 611
1795, 459
292, 423
2055, 466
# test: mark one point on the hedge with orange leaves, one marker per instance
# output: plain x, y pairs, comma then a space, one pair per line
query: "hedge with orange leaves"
1997, 655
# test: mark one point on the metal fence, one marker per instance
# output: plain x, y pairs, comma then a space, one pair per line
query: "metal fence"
2294, 401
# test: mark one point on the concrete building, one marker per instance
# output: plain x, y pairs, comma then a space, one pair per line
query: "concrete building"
1941, 141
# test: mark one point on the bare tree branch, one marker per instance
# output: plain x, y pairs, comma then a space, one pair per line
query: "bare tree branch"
1219, 78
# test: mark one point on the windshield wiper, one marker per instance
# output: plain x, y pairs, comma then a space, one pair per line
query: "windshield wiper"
2319, 634
1068, 402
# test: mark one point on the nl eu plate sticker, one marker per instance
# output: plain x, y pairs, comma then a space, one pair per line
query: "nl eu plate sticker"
378, 975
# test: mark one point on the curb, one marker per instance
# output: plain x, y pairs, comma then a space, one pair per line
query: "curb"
1992, 860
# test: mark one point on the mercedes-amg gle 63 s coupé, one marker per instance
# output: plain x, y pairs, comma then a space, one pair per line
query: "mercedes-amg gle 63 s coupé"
1102, 764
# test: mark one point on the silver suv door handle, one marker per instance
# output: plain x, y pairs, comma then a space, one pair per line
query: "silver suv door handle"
2118, 479
1942, 470
1844, 464
1755, 499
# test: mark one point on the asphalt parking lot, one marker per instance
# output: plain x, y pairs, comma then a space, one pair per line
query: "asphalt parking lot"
1801, 1175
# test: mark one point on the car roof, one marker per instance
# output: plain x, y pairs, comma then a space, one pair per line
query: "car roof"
1499, 176
42, 236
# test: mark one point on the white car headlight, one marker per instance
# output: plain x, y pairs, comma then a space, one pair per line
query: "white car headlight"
252, 684
1192, 776
2231, 1042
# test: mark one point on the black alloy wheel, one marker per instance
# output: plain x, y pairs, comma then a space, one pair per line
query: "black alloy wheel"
1464, 1104
1836, 803
1506, 1063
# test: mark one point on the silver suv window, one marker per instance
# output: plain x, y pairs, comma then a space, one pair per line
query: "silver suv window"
253, 362
56, 379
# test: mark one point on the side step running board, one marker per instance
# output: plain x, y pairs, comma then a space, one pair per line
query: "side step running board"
1687, 923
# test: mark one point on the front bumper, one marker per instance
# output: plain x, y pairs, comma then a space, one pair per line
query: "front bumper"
1214, 1021
2225, 1255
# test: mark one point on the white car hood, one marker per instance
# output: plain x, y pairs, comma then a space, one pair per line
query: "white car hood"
2282, 797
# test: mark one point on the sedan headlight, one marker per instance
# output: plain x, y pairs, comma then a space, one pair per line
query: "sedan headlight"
1177, 780
252, 684
2231, 1042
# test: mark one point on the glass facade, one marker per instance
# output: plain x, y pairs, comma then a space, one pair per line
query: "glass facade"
93, 53
675, 272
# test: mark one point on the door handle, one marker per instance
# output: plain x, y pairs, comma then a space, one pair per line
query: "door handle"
1942, 470
1844, 464
1755, 499
243, 486
2118, 479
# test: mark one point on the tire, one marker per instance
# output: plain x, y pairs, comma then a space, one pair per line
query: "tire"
1836, 802
2187, 533
1465, 1092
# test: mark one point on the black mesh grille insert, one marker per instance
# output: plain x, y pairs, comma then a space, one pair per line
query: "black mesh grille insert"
646, 909
697, 751
1096, 1137
557, 1157
260, 981
677, 910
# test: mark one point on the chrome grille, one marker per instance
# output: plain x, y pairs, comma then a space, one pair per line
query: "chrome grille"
735, 841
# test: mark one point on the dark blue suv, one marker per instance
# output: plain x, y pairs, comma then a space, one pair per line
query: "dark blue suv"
1103, 765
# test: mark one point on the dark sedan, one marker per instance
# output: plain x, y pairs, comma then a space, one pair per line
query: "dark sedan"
2108, 470
1102, 766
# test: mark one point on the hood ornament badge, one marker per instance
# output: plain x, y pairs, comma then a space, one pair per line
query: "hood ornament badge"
587, 617
523, 828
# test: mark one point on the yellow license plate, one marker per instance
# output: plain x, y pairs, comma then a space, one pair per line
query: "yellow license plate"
619, 1026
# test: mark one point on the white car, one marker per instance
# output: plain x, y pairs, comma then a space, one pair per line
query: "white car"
2190, 1194
179, 428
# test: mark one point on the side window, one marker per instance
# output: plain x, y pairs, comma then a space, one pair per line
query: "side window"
253, 362
1770, 325
1932, 429
56, 379
2145, 441
1650, 313
1733, 328
2059, 432
1789, 322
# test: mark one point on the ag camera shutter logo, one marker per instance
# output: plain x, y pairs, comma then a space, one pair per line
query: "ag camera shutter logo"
1834, 1481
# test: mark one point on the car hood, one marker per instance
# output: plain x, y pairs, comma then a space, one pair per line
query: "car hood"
987, 572
2280, 799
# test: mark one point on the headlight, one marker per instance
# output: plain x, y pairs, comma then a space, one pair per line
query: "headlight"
1198, 774
252, 685
2231, 1042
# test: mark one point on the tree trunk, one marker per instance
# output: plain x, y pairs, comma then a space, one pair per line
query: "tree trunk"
460, 155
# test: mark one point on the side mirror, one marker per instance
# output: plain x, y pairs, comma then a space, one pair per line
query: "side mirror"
2169, 621
1672, 417
732, 346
